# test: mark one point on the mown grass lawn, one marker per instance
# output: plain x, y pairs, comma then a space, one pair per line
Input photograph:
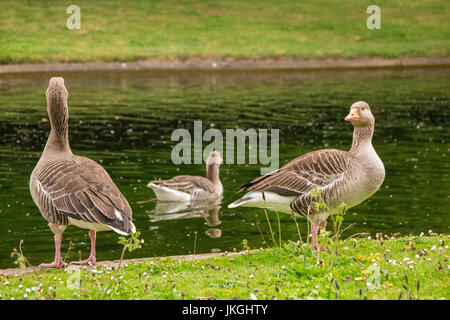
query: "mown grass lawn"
35, 31
414, 267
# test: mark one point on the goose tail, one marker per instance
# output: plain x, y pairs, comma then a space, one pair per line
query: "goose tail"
166, 194
123, 225
239, 202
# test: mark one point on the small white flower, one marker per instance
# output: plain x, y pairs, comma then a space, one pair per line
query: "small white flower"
251, 276
406, 259
20, 286
28, 290
283, 267
433, 248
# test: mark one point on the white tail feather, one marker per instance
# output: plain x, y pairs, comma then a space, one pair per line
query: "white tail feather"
167, 194
238, 203
270, 201
118, 231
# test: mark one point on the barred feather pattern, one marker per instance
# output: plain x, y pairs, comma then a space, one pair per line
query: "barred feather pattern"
79, 188
322, 169
200, 188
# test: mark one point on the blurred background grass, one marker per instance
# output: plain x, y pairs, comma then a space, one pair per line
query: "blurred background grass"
35, 31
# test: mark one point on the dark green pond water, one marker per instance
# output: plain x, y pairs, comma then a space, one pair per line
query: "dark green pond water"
125, 122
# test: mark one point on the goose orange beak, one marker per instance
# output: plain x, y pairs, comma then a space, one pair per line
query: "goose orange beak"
353, 115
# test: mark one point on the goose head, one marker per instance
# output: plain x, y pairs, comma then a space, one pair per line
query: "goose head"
214, 158
360, 115
57, 108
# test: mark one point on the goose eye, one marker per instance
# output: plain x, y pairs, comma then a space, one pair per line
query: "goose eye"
363, 108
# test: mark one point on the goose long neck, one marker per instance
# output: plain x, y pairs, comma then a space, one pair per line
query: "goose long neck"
362, 137
59, 143
58, 140
212, 172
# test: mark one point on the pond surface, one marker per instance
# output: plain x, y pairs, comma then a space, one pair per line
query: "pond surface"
125, 120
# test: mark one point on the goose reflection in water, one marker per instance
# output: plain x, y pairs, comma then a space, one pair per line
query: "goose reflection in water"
206, 209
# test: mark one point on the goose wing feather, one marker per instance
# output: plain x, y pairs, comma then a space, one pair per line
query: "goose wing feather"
189, 184
320, 169
80, 188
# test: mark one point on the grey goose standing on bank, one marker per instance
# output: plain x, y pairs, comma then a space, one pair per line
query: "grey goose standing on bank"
348, 177
74, 190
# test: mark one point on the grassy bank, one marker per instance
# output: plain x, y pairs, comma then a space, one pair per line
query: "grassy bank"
387, 268
35, 31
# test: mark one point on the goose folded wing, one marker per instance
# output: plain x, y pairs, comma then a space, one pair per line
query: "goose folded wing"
320, 169
187, 184
84, 191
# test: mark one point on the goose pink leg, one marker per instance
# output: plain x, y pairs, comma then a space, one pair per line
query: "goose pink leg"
58, 263
92, 259
314, 232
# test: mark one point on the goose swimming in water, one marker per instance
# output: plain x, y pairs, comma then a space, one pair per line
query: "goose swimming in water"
187, 188
74, 190
348, 177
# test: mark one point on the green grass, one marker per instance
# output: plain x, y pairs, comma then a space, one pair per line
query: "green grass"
420, 271
35, 31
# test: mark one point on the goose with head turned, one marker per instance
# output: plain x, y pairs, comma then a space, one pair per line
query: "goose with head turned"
348, 177
186, 188
73, 190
